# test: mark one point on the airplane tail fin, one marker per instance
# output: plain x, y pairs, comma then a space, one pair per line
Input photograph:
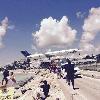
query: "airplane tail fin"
25, 53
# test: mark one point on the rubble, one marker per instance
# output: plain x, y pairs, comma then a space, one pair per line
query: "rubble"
33, 87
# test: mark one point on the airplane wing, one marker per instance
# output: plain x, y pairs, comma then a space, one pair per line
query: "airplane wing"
36, 56
64, 52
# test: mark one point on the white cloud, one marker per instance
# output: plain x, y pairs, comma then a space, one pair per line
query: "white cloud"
3, 29
91, 28
53, 32
34, 47
80, 14
11, 27
88, 47
97, 50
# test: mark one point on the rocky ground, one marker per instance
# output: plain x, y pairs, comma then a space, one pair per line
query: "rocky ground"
87, 86
33, 86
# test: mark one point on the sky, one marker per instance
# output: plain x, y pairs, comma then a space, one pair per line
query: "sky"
42, 25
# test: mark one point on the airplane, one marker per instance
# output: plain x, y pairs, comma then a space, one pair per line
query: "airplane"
51, 54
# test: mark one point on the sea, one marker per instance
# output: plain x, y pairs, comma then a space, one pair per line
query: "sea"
18, 76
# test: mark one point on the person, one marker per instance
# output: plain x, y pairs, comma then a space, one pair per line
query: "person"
53, 66
5, 75
59, 69
9, 83
70, 73
11, 80
38, 97
45, 88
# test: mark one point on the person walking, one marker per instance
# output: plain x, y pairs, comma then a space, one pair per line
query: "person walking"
70, 73
5, 75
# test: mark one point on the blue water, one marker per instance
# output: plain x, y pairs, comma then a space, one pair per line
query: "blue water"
19, 76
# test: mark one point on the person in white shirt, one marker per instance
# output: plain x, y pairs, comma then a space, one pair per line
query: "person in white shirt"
9, 85
11, 80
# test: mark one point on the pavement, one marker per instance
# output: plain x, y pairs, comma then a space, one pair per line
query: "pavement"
92, 74
68, 91
87, 88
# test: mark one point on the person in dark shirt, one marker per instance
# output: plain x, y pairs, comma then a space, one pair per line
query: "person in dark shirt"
69, 68
5, 75
70, 73
45, 88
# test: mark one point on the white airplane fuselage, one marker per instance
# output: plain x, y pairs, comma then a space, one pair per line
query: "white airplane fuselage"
55, 54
